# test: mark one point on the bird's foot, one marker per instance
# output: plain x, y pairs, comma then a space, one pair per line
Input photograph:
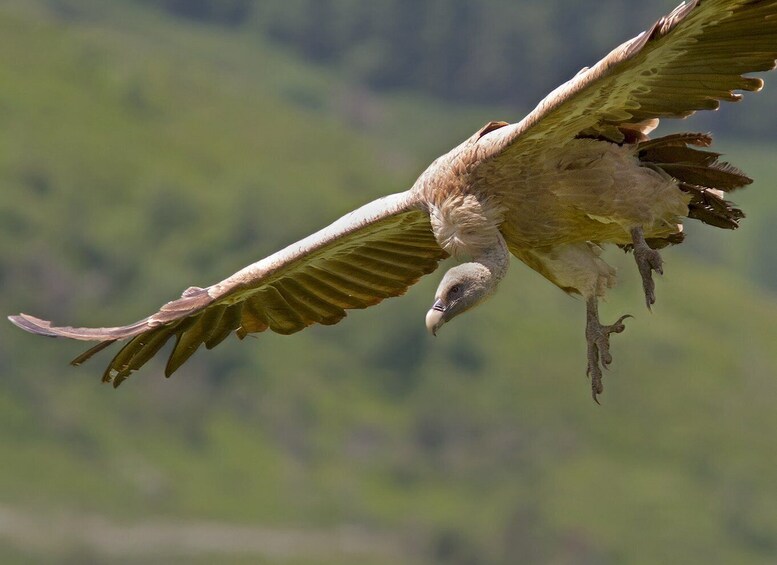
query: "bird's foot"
598, 338
648, 260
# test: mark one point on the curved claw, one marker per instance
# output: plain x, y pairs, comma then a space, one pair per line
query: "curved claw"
648, 260
619, 326
599, 356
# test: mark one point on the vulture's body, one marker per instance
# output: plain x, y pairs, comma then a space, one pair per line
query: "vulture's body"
578, 172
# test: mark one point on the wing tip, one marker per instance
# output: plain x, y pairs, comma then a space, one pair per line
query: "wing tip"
33, 325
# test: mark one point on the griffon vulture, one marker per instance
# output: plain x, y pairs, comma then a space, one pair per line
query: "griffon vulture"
578, 172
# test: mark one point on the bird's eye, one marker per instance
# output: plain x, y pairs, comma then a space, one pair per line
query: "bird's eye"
455, 289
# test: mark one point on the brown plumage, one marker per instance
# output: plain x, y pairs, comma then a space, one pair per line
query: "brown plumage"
578, 172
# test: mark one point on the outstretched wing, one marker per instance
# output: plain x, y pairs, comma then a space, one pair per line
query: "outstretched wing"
374, 252
689, 60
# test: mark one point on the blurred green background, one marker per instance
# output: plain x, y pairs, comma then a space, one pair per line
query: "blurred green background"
150, 145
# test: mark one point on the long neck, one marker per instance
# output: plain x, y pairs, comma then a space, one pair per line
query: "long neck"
496, 259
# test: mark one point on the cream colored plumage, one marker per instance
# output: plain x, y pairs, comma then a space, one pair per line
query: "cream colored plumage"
578, 172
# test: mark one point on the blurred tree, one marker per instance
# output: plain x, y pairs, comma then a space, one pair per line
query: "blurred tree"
224, 12
458, 50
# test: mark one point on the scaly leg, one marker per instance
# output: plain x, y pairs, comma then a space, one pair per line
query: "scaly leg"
598, 337
648, 260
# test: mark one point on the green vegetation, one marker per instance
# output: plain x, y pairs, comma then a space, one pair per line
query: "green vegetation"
141, 153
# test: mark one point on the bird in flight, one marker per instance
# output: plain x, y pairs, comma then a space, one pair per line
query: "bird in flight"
578, 172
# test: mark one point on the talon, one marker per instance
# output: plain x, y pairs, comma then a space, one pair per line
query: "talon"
598, 337
596, 388
619, 326
648, 260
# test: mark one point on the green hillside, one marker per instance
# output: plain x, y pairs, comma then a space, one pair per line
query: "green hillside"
141, 154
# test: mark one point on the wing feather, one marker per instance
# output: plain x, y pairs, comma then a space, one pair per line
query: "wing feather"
138, 347
372, 253
331, 293
231, 321
281, 316
187, 342
328, 311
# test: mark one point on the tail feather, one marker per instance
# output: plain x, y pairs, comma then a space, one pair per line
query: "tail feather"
700, 174
719, 176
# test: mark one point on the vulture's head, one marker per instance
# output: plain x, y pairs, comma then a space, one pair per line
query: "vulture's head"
462, 287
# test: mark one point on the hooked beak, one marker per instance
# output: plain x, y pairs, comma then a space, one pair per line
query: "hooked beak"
435, 316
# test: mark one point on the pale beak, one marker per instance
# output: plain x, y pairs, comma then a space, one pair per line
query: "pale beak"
434, 317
